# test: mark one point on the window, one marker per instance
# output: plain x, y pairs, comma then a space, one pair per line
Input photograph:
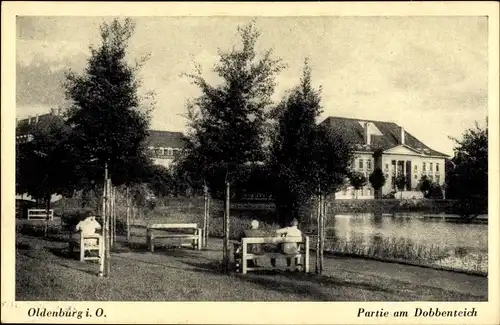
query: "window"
430, 167
361, 164
369, 164
437, 167
416, 168
423, 167
159, 151
169, 152
386, 166
416, 176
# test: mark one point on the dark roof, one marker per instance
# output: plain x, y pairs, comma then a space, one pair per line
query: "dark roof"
24, 126
165, 139
390, 138
156, 138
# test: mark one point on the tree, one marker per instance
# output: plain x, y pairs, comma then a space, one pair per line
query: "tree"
292, 148
357, 180
377, 180
424, 185
227, 119
467, 181
44, 166
401, 183
161, 181
306, 160
109, 124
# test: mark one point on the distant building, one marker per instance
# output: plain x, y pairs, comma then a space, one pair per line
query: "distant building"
402, 153
25, 127
164, 146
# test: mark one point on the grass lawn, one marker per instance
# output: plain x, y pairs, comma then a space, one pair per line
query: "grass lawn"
46, 271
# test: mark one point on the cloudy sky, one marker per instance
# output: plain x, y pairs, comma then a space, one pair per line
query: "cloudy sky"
428, 74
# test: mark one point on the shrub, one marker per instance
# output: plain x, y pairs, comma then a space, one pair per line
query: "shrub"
38, 229
71, 218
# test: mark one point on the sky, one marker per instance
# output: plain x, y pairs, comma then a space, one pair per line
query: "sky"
427, 74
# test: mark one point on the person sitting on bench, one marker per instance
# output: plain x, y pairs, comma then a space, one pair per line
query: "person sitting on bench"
289, 248
88, 227
256, 249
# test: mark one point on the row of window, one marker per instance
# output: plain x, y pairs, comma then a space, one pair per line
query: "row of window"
430, 167
164, 151
364, 191
424, 167
361, 164
433, 178
437, 178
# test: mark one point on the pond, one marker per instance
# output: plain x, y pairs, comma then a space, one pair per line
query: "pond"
411, 237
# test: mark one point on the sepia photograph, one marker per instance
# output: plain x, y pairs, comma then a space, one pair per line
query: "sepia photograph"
252, 158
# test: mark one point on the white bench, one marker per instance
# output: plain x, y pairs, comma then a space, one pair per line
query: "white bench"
40, 214
241, 258
87, 247
153, 233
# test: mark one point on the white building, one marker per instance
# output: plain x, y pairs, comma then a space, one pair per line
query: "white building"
402, 153
164, 146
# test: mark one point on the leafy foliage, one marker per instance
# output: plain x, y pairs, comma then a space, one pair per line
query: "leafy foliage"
377, 180
227, 120
401, 182
304, 159
44, 165
357, 180
424, 185
468, 179
108, 123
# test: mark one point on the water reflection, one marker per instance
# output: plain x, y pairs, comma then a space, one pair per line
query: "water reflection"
372, 229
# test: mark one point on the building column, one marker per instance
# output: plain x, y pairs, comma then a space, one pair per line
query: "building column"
404, 174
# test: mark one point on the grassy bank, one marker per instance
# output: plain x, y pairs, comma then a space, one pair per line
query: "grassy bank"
403, 250
187, 275
391, 206
381, 248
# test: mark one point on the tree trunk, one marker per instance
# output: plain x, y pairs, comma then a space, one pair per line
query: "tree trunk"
205, 214
322, 237
207, 233
127, 200
110, 216
113, 213
324, 226
108, 234
47, 208
226, 228
102, 260
318, 236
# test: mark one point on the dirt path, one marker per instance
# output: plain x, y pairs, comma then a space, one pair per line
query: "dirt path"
183, 274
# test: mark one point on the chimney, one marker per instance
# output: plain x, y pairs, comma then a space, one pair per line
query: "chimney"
36, 118
368, 139
29, 119
402, 135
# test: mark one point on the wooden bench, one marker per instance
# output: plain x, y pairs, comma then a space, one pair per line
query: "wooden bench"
86, 247
242, 257
153, 233
40, 214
